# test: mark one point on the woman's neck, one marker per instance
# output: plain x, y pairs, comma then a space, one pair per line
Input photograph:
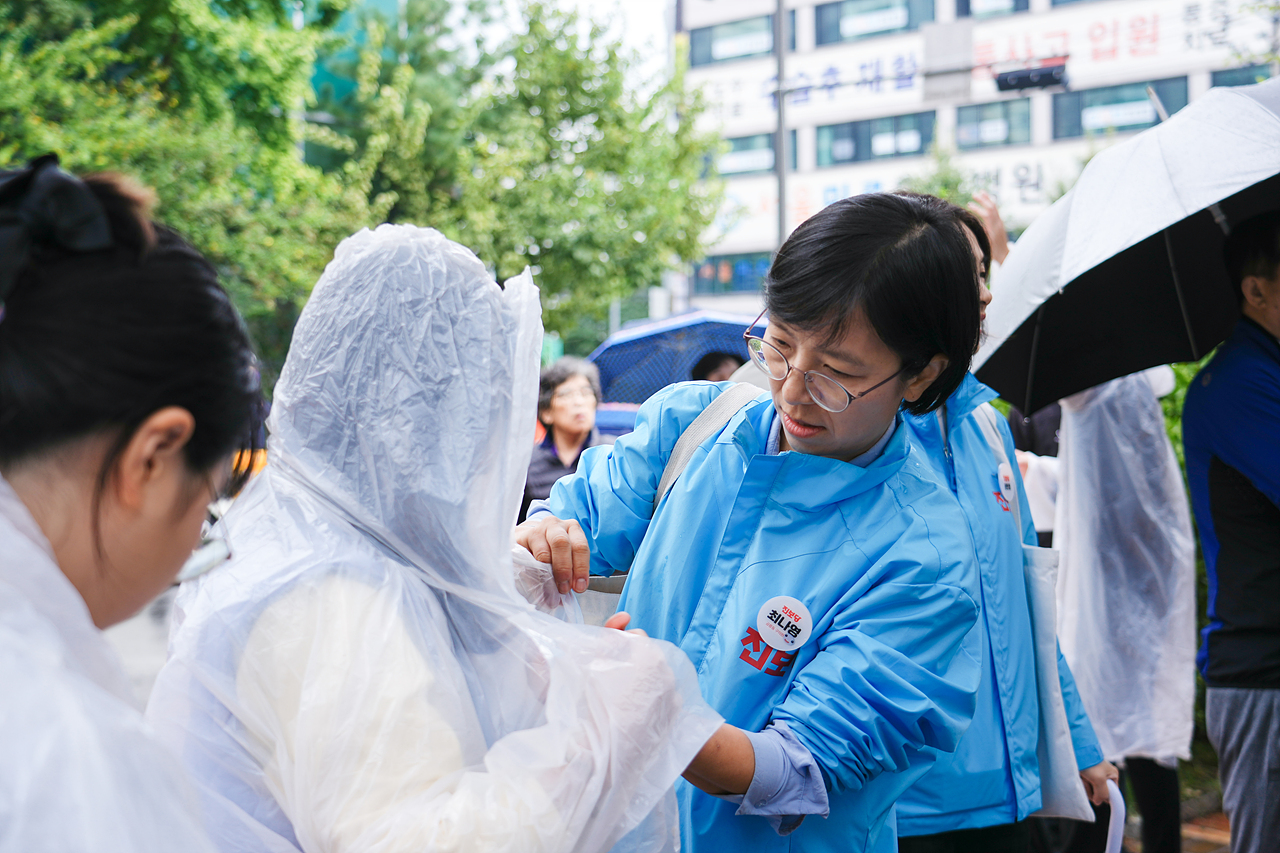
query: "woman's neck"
60, 503
569, 445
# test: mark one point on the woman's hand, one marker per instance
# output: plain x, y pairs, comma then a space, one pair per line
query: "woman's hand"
984, 207
560, 543
1095, 781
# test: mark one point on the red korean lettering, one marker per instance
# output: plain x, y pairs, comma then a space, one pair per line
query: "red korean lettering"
755, 650
1105, 40
1144, 35
781, 662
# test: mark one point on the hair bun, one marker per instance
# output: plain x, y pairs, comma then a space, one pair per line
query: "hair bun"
44, 204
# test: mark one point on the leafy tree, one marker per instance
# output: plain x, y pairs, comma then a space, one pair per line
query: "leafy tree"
445, 70
555, 162
219, 57
596, 185
944, 179
268, 221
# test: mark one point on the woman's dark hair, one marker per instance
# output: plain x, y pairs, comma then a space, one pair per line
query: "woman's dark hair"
712, 360
901, 259
95, 342
1253, 249
965, 217
560, 372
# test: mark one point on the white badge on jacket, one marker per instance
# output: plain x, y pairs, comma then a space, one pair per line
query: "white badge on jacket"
784, 623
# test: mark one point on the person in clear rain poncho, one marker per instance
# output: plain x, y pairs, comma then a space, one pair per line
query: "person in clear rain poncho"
127, 388
362, 676
1126, 587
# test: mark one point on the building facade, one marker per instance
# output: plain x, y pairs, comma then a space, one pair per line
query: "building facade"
873, 84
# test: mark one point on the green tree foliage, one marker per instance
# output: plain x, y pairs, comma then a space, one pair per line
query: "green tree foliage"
554, 162
595, 185
944, 179
219, 57
268, 221
445, 69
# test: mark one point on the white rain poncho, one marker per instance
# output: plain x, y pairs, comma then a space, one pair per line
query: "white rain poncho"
362, 675
1126, 582
78, 768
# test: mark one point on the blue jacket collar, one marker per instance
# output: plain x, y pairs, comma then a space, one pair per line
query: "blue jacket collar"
812, 481
967, 398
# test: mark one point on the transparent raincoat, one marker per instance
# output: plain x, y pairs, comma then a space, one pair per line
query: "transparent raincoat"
363, 676
1126, 580
79, 769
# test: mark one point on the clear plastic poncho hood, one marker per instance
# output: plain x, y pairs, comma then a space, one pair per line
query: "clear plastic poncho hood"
362, 675
409, 395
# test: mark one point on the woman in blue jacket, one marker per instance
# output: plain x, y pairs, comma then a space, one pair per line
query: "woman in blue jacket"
978, 797
808, 559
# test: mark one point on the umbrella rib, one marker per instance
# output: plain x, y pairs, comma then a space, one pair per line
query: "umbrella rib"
1182, 302
1031, 364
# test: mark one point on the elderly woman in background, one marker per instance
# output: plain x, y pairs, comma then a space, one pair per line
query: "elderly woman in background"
568, 393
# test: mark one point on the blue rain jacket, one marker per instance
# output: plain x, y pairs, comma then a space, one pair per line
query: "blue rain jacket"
994, 777
880, 556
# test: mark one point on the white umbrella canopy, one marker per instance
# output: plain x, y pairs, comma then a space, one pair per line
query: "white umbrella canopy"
1125, 271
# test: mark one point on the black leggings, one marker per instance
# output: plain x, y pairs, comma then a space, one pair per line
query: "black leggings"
1006, 838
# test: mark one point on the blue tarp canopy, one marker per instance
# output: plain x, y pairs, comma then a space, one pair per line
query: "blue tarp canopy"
636, 362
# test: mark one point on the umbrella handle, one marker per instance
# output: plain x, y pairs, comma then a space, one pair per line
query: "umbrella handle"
1115, 829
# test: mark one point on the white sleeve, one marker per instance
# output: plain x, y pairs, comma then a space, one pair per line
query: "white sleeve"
1041, 483
362, 737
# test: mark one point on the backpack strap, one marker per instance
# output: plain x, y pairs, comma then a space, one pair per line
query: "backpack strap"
713, 419
987, 418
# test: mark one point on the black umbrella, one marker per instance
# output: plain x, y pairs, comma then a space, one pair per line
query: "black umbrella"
1125, 271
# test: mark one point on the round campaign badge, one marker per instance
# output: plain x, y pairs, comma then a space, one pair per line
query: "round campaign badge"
784, 623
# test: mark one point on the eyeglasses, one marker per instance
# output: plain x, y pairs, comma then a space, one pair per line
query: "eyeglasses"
214, 548
575, 394
825, 391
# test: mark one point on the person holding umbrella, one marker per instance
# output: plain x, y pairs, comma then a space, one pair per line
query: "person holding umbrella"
1231, 432
979, 797
805, 557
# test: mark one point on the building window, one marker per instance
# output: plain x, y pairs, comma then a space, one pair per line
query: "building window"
754, 154
1001, 123
1116, 108
731, 273
900, 136
989, 8
855, 19
1246, 76
737, 40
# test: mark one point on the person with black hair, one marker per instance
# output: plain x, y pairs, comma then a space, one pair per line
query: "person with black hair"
796, 545
716, 367
979, 797
1231, 434
127, 388
568, 393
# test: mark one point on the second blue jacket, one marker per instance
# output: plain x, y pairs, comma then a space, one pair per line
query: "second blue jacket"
881, 558
994, 777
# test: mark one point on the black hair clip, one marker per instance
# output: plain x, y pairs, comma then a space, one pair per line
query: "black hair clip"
44, 204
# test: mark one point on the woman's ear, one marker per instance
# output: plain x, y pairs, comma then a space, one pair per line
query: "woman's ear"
154, 452
922, 380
